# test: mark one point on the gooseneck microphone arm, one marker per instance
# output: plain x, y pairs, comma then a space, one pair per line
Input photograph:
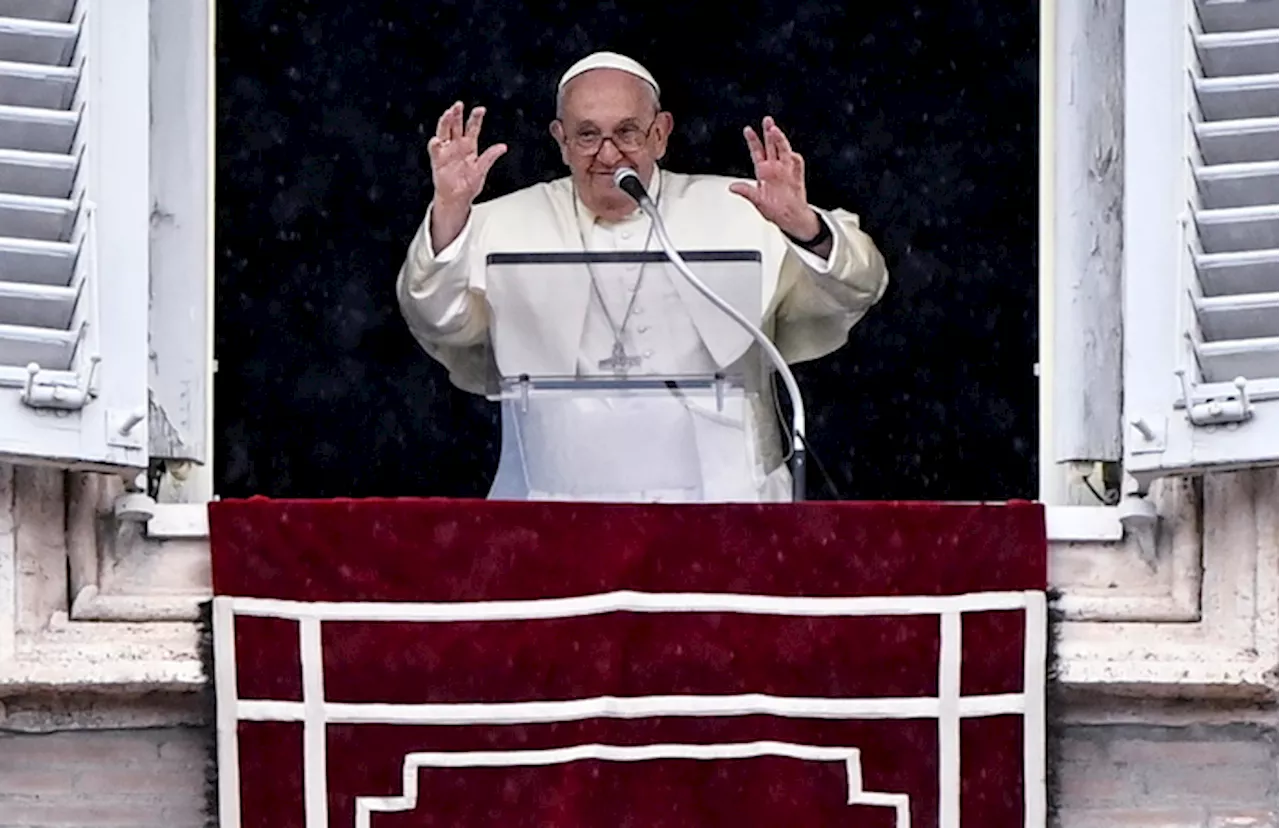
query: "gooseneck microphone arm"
628, 181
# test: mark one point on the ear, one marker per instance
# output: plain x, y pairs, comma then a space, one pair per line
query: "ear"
556, 128
662, 131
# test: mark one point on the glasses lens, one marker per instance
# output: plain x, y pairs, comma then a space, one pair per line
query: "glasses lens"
629, 139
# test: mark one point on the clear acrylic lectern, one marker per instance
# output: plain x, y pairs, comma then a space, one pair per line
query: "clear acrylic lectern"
615, 393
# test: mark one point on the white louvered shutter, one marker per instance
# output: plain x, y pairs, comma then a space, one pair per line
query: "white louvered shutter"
1202, 208
74, 217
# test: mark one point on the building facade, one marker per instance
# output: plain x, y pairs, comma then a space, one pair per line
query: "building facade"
1158, 256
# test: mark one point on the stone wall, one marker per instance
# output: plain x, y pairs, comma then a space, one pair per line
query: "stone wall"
1196, 776
150, 777
1202, 774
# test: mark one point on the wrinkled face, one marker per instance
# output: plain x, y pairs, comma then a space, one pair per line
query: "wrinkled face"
609, 119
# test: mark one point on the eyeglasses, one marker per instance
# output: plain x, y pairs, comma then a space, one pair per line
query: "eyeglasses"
629, 138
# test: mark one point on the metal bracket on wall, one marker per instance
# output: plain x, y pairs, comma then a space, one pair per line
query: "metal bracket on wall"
1153, 437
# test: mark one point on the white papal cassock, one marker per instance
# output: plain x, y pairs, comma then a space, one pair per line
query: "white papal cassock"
809, 306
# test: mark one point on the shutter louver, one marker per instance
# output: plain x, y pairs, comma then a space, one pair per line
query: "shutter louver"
74, 230
41, 226
1235, 251
1201, 260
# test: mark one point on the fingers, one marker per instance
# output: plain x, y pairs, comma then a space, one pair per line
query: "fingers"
455, 122
445, 126
441, 130
780, 138
773, 138
442, 152
490, 157
791, 160
773, 147
748, 191
433, 148
753, 144
474, 122
452, 136
450, 127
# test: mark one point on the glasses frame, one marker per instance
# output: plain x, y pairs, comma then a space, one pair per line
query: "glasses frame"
572, 141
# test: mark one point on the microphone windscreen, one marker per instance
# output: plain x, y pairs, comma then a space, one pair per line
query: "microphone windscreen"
628, 181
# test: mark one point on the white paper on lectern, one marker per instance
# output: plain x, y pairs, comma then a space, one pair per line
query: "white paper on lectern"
597, 436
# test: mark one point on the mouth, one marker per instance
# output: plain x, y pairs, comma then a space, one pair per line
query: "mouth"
603, 179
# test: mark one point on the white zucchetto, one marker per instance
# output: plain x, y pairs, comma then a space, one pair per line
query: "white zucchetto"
609, 60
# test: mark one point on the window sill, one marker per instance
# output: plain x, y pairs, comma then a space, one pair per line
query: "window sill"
179, 521
1083, 524
1064, 524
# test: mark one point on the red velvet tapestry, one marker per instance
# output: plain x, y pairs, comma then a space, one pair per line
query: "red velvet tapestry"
470, 664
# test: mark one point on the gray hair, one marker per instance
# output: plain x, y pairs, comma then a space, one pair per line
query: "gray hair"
560, 95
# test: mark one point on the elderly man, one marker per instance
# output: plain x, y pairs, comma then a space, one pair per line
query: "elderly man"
820, 271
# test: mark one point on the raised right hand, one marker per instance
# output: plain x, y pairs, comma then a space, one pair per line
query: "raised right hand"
458, 170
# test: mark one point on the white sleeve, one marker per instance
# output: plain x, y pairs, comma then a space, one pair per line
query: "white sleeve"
434, 290
812, 260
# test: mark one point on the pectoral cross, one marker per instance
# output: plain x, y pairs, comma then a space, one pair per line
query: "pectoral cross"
619, 361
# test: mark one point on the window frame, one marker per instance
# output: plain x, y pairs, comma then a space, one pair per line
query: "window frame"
181, 316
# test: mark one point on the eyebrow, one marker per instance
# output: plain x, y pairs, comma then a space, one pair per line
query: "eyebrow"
591, 125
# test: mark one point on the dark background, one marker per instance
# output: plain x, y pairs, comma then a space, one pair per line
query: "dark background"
919, 117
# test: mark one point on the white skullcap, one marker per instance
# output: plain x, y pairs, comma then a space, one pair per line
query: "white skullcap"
609, 60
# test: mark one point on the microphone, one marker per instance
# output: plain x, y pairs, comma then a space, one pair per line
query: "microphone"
629, 182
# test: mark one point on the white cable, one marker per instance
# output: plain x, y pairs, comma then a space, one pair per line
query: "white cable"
771, 350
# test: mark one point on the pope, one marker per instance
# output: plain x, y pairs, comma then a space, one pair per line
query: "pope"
820, 271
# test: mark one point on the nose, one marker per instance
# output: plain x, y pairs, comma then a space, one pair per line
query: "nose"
609, 154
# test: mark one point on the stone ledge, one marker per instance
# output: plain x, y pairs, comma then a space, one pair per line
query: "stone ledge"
1190, 612
68, 712
1066, 524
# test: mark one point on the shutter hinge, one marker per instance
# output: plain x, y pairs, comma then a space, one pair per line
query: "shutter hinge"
36, 394
1236, 409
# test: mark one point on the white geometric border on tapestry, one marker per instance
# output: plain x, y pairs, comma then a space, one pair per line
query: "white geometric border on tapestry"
366, 806
948, 707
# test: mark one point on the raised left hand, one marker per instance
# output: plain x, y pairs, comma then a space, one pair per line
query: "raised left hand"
779, 192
